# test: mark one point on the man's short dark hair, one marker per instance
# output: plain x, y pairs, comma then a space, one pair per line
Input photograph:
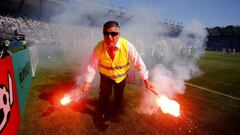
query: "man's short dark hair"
110, 24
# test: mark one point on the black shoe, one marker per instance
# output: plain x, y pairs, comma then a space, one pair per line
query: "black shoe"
100, 122
115, 117
102, 127
101, 118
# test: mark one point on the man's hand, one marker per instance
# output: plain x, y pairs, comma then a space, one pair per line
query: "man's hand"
85, 87
148, 85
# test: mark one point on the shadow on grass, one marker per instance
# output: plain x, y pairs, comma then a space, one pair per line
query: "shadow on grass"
53, 97
53, 94
90, 107
84, 105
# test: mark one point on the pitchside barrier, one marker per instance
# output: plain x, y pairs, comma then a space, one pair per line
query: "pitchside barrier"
9, 105
23, 75
16, 74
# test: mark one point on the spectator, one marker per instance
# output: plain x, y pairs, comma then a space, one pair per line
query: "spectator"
111, 57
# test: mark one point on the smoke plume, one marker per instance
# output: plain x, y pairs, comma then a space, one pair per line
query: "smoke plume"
170, 58
178, 63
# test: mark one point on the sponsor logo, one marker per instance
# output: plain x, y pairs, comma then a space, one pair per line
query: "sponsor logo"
6, 101
23, 72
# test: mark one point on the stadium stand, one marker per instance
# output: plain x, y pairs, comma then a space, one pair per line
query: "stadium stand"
39, 32
224, 38
36, 29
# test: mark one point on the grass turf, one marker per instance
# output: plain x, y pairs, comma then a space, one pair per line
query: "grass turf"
202, 112
220, 73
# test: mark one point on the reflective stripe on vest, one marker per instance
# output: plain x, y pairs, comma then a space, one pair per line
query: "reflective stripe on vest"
116, 69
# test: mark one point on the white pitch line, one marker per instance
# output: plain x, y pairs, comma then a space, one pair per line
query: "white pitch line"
213, 91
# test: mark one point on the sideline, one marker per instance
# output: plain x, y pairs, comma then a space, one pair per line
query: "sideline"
213, 91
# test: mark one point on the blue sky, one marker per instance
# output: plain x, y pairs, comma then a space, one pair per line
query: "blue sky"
209, 12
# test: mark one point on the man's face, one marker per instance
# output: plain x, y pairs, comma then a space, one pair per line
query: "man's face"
111, 36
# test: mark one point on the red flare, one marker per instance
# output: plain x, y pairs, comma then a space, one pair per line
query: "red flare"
66, 100
168, 106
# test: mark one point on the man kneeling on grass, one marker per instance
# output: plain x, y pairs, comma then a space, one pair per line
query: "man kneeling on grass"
112, 57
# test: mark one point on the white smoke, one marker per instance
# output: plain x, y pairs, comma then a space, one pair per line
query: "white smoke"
178, 64
178, 54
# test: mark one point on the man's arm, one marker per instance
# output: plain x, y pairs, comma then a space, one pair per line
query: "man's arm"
139, 65
148, 85
91, 71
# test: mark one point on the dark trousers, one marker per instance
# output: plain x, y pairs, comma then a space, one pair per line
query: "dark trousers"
106, 86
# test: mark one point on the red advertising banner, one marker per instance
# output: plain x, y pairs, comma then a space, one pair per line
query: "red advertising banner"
9, 108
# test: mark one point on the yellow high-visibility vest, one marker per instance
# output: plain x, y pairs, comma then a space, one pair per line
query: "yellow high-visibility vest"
116, 69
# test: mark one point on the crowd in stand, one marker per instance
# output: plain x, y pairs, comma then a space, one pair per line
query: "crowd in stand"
39, 32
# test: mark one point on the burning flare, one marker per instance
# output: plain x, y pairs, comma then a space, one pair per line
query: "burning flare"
66, 100
168, 106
